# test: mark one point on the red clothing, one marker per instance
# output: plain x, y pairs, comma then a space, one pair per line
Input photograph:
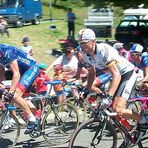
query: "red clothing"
39, 82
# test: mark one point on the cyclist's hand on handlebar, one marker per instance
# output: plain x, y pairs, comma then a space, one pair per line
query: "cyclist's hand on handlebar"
84, 92
7, 95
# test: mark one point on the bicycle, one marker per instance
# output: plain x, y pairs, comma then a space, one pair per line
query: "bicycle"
86, 106
56, 124
8, 136
99, 131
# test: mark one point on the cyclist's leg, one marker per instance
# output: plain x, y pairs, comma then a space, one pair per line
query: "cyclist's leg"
25, 81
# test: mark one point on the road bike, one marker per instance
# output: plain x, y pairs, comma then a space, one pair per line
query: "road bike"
8, 136
99, 131
56, 124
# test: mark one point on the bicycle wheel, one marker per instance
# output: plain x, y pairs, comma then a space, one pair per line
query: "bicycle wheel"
80, 106
143, 142
94, 133
9, 133
58, 125
134, 106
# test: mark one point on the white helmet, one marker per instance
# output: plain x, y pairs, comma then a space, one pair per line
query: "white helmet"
118, 46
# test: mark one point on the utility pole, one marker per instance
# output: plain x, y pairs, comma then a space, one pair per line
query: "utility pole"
50, 10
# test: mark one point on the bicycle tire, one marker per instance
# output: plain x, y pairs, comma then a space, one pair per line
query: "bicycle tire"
58, 131
86, 132
9, 136
80, 106
143, 142
134, 106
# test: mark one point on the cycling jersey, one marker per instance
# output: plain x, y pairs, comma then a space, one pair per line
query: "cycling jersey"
104, 55
27, 66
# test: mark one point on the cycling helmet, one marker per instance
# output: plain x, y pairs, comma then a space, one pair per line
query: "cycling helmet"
58, 67
42, 66
136, 48
86, 35
118, 46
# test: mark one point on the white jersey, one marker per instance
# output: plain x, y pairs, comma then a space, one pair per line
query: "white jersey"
104, 54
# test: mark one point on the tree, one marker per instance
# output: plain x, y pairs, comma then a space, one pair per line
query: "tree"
118, 3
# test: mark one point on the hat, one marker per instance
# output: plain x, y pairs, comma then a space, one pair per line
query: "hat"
58, 67
42, 66
136, 48
86, 35
118, 46
25, 39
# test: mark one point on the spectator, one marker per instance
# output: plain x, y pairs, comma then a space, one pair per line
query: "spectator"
40, 87
58, 88
3, 26
71, 24
26, 46
68, 61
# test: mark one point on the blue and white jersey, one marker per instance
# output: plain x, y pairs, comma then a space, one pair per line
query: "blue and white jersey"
10, 53
104, 55
144, 60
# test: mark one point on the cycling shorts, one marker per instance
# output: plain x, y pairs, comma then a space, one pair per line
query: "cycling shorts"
127, 83
28, 77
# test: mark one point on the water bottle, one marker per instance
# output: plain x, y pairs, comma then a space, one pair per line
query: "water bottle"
125, 123
91, 99
38, 113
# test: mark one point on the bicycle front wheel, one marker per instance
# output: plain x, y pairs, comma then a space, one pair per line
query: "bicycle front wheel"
9, 130
94, 134
80, 106
59, 124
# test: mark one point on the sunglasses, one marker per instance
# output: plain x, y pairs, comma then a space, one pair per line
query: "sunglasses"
82, 43
135, 53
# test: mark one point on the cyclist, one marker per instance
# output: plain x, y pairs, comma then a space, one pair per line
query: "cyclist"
24, 71
101, 76
122, 51
103, 56
140, 60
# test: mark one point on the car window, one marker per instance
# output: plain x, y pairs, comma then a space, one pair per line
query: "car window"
142, 24
124, 24
133, 24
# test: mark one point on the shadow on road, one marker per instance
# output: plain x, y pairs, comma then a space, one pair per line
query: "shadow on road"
31, 143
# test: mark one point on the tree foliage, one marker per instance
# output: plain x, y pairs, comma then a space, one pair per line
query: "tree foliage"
118, 3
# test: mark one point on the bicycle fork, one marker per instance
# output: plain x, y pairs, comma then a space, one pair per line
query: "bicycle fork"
98, 134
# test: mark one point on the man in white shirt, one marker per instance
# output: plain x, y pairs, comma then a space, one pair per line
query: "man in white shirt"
104, 57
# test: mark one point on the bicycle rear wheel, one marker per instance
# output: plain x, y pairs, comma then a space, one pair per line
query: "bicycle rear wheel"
58, 125
9, 131
94, 133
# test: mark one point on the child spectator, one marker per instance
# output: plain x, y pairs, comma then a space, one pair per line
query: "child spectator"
40, 87
26, 46
59, 90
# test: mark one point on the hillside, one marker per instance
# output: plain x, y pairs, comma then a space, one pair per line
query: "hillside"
43, 39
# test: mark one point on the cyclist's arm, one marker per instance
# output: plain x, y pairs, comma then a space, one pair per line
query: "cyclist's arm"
16, 74
2, 73
116, 77
91, 76
145, 74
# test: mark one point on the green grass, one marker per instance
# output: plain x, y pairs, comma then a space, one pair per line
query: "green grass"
43, 39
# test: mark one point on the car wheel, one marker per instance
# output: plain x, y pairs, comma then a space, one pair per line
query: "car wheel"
19, 23
36, 21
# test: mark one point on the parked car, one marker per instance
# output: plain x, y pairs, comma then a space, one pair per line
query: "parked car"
132, 31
